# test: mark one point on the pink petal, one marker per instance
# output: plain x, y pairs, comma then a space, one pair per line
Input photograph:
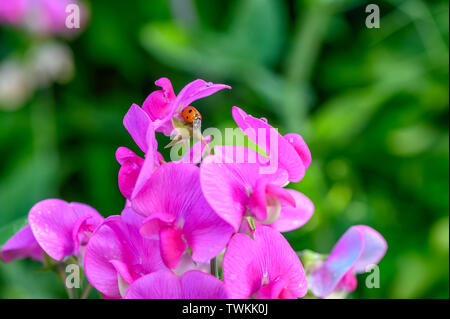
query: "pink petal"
342, 258
157, 285
52, 222
129, 171
21, 245
226, 187
166, 285
136, 121
172, 246
191, 92
199, 285
294, 217
250, 264
150, 161
174, 189
277, 147
158, 104
375, 248
300, 147
196, 152
118, 240
153, 223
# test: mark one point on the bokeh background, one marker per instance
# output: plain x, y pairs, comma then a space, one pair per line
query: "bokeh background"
372, 105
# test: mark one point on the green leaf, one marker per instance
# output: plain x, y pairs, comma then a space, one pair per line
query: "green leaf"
7, 231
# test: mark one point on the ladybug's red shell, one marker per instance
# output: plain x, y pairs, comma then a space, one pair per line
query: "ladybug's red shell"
190, 114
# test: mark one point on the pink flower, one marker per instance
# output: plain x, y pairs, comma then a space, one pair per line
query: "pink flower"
41, 16
62, 229
360, 247
290, 152
264, 266
176, 210
236, 188
117, 254
162, 105
21, 245
193, 284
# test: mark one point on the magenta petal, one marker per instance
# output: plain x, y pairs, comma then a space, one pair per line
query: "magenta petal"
52, 222
301, 148
193, 284
21, 245
341, 259
125, 271
153, 223
276, 146
250, 264
375, 248
129, 171
293, 217
196, 152
226, 187
136, 121
150, 161
157, 285
158, 104
174, 189
199, 285
172, 246
118, 239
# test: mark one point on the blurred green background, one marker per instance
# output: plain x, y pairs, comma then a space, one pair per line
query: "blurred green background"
372, 104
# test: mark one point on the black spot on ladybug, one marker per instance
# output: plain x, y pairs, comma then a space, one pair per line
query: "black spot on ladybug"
190, 111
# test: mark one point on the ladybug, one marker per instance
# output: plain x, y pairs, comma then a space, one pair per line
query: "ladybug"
190, 114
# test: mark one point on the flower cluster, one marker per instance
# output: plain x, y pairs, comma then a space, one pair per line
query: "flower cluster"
221, 208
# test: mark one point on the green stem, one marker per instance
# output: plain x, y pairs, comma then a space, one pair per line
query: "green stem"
86, 291
213, 265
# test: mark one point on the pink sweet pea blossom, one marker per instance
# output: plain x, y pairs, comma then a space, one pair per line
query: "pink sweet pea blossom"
193, 284
264, 266
177, 212
41, 16
117, 254
290, 152
63, 229
360, 247
21, 245
235, 188
163, 104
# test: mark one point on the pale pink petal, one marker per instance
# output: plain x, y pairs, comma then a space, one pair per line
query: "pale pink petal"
375, 248
341, 259
21, 245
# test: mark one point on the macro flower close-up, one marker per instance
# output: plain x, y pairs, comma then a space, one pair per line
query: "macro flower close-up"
243, 150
